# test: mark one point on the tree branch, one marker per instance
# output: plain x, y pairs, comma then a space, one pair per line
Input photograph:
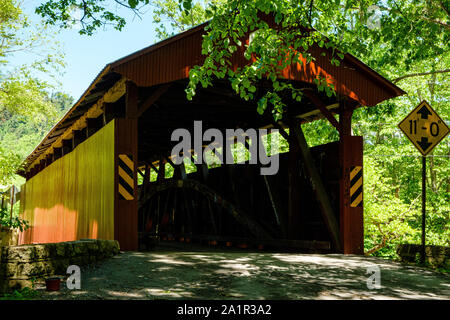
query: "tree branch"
443, 7
419, 74
437, 22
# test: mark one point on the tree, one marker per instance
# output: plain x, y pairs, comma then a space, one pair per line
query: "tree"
171, 19
23, 96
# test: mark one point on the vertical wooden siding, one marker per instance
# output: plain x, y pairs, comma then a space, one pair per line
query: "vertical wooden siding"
73, 198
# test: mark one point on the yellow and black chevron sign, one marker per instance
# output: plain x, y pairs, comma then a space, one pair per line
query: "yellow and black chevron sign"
126, 176
356, 186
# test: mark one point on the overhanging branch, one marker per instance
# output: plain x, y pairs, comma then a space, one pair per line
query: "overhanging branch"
419, 74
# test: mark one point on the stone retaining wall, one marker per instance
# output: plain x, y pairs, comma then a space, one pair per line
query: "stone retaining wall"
21, 265
436, 256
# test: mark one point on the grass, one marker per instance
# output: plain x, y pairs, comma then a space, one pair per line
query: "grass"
22, 294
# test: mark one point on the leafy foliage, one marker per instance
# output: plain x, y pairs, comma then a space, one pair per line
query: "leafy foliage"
22, 294
171, 20
15, 222
26, 110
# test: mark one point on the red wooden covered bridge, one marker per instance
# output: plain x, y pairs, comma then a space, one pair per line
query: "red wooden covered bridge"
90, 177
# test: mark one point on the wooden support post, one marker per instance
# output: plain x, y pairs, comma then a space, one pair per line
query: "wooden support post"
204, 170
174, 210
144, 185
147, 175
109, 113
162, 169
57, 153
126, 161
48, 160
188, 213
83, 134
66, 146
317, 185
78, 138
145, 182
351, 160
93, 125
165, 211
294, 205
42, 165
183, 173
32, 172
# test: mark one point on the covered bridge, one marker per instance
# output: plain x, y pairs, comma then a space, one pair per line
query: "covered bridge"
90, 176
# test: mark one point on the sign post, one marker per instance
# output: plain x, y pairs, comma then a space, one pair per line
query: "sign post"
424, 201
425, 129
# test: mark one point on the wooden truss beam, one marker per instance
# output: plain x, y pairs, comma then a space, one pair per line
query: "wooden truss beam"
241, 217
322, 107
317, 186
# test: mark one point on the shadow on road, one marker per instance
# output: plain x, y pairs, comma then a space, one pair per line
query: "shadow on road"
212, 273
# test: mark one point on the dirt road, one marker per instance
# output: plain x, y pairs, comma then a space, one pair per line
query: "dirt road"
204, 273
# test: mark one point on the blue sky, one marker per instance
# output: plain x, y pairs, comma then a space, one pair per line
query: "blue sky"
85, 56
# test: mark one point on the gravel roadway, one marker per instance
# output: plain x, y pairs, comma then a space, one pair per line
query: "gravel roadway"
194, 272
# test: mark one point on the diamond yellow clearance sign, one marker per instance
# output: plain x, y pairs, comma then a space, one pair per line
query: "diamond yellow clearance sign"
424, 128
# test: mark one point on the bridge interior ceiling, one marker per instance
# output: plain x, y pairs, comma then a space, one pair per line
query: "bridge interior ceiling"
217, 107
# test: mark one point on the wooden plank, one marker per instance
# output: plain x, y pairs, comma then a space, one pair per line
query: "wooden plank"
317, 186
